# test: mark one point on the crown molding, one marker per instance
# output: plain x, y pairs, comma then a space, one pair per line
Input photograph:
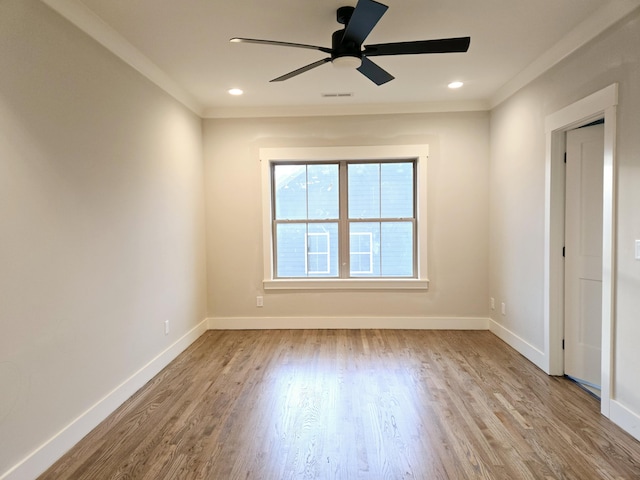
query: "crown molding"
343, 110
593, 26
86, 20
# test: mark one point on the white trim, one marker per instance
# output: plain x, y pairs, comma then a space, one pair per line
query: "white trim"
91, 24
531, 353
298, 323
605, 17
583, 111
347, 284
319, 154
350, 109
625, 418
50, 451
601, 104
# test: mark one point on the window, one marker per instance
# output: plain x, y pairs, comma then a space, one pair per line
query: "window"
370, 204
344, 217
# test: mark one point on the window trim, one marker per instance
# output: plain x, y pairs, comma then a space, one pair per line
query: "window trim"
419, 153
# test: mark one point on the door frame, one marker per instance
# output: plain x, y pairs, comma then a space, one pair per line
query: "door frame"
601, 104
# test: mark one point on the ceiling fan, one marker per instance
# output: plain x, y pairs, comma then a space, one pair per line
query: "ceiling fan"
347, 49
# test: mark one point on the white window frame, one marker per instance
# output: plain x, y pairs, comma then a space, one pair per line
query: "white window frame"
419, 153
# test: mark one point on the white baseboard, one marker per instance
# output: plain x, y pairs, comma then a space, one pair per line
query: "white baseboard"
49, 452
403, 323
531, 353
625, 418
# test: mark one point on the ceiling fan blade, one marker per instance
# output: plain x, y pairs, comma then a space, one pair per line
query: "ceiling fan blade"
301, 70
280, 44
373, 72
443, 45
364, 18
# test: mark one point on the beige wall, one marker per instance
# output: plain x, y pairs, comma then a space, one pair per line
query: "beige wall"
102, 217
101, 225
457, 215
517, 195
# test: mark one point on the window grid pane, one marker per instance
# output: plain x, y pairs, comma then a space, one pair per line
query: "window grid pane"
306, 249
290, 192
361, 252
322, 192
290, 249
396, 249
318, 251
364, 190
396, 190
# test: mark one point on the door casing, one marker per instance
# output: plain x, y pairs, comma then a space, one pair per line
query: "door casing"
601, 104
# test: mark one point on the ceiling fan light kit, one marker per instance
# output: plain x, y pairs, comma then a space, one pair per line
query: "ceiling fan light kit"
347, 49
347, 62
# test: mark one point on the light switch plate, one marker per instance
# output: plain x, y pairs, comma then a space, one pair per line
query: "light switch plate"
637, 249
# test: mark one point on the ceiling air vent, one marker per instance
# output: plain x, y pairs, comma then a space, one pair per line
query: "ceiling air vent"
336, 95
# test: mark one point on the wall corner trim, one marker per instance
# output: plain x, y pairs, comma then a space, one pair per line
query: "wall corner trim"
51, 450
591, 27
86, 20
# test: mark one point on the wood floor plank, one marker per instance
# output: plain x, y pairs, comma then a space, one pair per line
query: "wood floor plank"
353, 404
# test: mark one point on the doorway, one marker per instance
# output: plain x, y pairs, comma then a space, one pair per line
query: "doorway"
601, 104
584, 162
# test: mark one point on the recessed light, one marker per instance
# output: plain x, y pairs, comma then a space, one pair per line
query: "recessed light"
454, 85
235, 91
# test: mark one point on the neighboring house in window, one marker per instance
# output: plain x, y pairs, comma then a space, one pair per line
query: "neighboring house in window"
318, 253
361, 253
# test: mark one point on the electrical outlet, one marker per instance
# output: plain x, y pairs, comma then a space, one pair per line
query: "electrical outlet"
503, 308
637, 249
493, 303
166, 327
259, 301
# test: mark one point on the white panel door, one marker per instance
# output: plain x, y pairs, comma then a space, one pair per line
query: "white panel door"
583, 255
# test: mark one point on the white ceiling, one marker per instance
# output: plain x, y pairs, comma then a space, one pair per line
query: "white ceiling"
183, 45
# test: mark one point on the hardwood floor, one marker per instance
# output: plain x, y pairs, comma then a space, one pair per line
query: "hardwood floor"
350, 404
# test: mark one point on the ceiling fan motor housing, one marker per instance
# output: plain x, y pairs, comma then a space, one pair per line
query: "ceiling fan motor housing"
343, 15
341, 49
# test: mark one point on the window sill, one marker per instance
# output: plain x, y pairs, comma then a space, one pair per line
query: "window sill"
409, 284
